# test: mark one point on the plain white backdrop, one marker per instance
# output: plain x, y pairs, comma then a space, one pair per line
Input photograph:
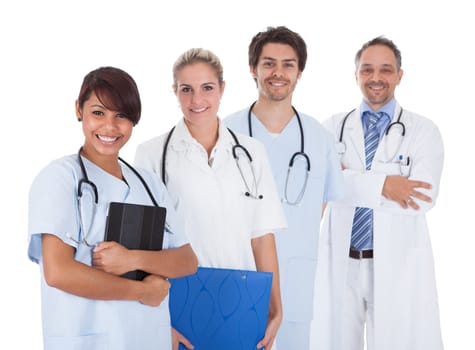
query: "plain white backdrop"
46, 48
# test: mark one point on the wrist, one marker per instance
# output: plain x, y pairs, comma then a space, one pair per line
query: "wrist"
135, 290
275, 312
134, 260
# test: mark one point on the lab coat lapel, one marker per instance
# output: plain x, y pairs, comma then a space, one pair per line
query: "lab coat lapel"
223, 148
355, 135
389, 145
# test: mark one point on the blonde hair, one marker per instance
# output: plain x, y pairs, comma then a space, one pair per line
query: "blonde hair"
196, 55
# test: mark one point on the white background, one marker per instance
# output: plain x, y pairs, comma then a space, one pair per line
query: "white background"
46, 47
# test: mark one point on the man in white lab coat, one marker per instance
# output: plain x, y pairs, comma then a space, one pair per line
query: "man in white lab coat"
375, 255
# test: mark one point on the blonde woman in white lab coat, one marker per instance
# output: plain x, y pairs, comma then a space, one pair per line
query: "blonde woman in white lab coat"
389, 288
230, 217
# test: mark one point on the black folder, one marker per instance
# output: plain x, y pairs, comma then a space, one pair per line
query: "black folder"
136, 226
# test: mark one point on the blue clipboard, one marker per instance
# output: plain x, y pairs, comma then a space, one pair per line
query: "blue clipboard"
221, 308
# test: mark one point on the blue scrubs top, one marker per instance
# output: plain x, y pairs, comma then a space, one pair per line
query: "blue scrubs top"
297, 246
73, 322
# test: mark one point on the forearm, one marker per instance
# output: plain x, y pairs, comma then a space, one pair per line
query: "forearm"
88, 282
62, 271
172, 263
265, 256
362, 188
421, 187
275, 304
387, 193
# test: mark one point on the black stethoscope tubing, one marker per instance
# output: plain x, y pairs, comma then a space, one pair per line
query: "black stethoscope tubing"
234, 150
397, 122
302, 140
85, 180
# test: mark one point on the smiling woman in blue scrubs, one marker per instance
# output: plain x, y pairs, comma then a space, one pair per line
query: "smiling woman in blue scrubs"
85, 303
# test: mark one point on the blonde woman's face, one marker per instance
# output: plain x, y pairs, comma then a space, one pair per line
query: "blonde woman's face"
199, 93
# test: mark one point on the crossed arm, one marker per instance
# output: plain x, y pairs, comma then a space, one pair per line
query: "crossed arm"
102, 282
403, 191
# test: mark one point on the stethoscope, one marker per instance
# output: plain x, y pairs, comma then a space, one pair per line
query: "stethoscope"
341, 145
300, 153
235, 151
80, 192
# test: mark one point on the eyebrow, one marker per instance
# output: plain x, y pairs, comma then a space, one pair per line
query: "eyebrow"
374, 65
285, 59
99, 105
189, 85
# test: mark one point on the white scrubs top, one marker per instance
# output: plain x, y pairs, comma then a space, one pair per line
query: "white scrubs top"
208, 194
297, 246
73, 322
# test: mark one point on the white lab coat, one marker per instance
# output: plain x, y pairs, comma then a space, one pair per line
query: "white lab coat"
220, 221
406, 312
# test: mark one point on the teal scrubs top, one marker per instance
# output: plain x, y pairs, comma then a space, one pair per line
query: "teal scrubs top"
297, 246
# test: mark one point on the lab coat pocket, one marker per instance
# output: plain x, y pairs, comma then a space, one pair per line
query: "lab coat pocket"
90, 342
298, 289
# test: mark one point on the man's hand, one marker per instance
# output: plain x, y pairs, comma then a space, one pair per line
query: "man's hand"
403, 191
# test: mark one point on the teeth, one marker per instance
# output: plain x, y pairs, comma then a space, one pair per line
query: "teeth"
107, 138
199, 110
276, 83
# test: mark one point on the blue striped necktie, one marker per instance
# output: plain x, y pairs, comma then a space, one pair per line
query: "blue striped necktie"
362, 231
